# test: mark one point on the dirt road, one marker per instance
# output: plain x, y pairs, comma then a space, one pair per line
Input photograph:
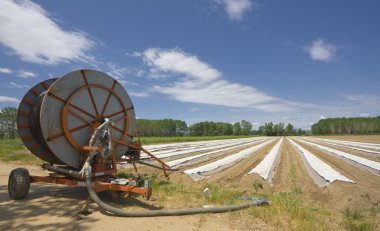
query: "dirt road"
54, 207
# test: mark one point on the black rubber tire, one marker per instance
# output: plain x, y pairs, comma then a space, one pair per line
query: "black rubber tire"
18, 183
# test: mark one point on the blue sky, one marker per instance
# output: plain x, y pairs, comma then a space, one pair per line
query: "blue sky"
219, 60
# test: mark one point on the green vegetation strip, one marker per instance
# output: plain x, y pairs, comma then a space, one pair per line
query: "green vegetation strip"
361, 219
286, 209
177, 139
14, 150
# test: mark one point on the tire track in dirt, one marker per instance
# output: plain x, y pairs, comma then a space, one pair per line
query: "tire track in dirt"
292, 174
281, 178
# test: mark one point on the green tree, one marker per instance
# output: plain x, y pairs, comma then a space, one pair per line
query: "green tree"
261, 131
289, 129
246, 127
268, 128
8, 122
164, 127
278, 129
209, 128
237, 129
340, 126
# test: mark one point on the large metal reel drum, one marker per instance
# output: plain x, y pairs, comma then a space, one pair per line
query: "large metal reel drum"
75, 105
28, 122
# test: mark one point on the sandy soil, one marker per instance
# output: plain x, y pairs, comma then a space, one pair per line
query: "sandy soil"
54, 207
365, 191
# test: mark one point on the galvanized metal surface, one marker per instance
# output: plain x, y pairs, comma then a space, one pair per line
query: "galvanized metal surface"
75, 105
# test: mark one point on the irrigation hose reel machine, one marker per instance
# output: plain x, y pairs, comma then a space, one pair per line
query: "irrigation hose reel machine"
82, 124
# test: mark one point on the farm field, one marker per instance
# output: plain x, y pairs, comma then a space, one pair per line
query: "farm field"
338, 173
312, 183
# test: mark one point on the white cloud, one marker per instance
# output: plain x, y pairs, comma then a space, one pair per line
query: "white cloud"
15, 85
116, 71
120, 73
176, 60
360, 100
194, 109
21, 73
9, 99
133, 54
365, 114
235, 8
6, 70
26, 74
197, 82
321, 51
31, 33
139, 94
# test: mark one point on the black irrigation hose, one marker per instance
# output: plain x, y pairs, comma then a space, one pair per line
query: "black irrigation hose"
172, 212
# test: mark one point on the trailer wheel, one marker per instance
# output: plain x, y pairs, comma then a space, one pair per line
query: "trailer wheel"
18, 183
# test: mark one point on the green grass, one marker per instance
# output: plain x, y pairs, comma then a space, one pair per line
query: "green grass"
178, 194
287, 210
14, 150
176, 139
360, 219
291, 210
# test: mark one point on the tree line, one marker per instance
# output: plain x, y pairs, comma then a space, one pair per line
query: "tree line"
164, 127
270, 129
347, 126
148, 128
210, 128
171, 127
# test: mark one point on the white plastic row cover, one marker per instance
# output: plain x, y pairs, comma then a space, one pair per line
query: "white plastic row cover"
355, 144
202, 145
157, 147
178, 153
342, 145
187, 159
227, 161
360, 160
323, 169
266, 165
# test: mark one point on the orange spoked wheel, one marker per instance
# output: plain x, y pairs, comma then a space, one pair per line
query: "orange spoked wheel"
75, 105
